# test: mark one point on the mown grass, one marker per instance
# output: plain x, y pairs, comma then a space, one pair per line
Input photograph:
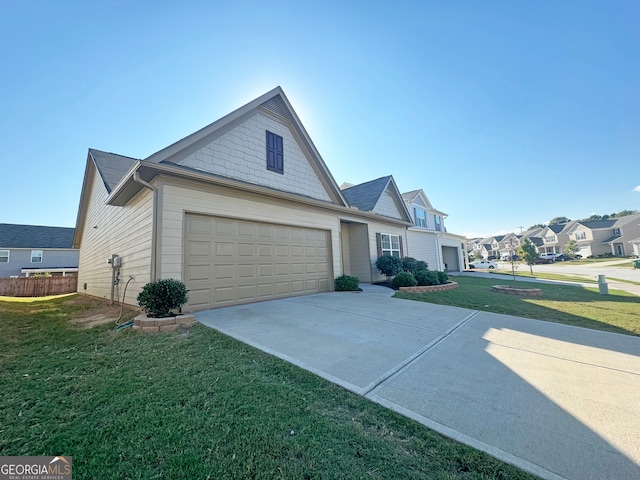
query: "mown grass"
198, 404
583, 307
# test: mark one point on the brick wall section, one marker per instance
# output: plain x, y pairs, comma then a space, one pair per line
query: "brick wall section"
430, 288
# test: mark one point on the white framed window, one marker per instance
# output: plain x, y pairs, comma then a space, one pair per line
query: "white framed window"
36, 256
4, 256
617, 231
581, 235
421, 217
438, 220
550, 239
390, 244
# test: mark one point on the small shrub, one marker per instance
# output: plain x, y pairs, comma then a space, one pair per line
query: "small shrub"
158, 298
421, 265
347, 283
403, 279
442, 277
388, 265
427, 277
409, 264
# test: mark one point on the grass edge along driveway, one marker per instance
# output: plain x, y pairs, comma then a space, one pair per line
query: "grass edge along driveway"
570, 305
198, 404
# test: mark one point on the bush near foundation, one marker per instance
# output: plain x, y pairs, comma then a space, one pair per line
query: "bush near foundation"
403, 279
347, 283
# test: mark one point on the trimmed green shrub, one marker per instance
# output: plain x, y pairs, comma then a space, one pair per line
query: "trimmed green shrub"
347, 283
427, 277
442, 277
403, 279
158, 298
410, 264
388, 265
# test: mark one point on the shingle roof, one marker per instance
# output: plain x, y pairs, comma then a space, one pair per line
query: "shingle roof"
366, 195
408, 196
33, 236
593, 224
112, 167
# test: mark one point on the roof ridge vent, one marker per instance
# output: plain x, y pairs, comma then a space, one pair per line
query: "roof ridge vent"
277, 106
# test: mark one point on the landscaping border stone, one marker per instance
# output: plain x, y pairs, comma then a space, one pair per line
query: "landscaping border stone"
430, 288
145, 324
522, 292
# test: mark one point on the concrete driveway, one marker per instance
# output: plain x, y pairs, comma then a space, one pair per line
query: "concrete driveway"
555, 400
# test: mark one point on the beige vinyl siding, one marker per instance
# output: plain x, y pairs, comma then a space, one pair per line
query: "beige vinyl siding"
387, 206
123, 231
241, 154
181, 198
370, 237
360, 265
421, 245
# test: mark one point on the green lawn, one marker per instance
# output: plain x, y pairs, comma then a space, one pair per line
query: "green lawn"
584, 307
197, 405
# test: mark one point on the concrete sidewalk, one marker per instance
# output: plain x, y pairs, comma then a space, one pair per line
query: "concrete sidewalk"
555, 400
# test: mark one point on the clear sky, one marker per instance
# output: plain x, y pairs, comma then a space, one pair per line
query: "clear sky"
505, 113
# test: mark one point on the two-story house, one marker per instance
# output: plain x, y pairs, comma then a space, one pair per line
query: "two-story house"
428, 238
32, 249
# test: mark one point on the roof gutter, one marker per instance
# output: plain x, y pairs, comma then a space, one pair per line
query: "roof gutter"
154, 223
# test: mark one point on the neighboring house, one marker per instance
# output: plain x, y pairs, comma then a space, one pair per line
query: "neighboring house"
243, 210
428, 238
552, 238
30, 249
625, 232
591, 236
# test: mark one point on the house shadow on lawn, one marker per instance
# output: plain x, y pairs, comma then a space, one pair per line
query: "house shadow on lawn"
559, 304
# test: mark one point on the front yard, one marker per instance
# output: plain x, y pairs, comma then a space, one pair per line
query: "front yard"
582, 307
196, 404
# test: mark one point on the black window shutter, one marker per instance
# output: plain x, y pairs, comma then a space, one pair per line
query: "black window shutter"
279, 154
379, 244
275, 153
400, 240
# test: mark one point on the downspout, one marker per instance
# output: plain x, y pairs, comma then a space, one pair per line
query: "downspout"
154, 223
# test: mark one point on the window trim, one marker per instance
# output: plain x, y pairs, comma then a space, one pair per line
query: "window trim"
7, 256
33, 255
420, 222
390, 250
275, 153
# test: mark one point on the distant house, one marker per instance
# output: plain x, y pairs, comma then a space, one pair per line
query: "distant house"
428, 238
552, 238
29, 249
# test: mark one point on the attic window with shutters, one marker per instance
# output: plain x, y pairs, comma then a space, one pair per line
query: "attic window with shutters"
275, 153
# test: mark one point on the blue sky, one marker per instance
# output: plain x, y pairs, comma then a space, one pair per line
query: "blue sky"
505, 113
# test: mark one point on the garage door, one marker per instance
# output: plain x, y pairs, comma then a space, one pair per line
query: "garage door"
230, 261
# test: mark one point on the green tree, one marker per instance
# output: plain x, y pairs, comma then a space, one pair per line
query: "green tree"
559, 220
537, 225
571, 248
527, 252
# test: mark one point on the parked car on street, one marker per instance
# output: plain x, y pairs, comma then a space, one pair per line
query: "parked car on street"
564, 258
541, 260
483, 264
507, 258
551, 256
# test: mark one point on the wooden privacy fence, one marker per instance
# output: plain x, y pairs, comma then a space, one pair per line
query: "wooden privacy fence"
37, 286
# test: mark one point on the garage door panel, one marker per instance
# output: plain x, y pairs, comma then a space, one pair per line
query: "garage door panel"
197, 272
199, 249
231, 261
224, 249
224, 227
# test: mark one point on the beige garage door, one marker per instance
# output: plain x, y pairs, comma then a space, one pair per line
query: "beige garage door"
229, 261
